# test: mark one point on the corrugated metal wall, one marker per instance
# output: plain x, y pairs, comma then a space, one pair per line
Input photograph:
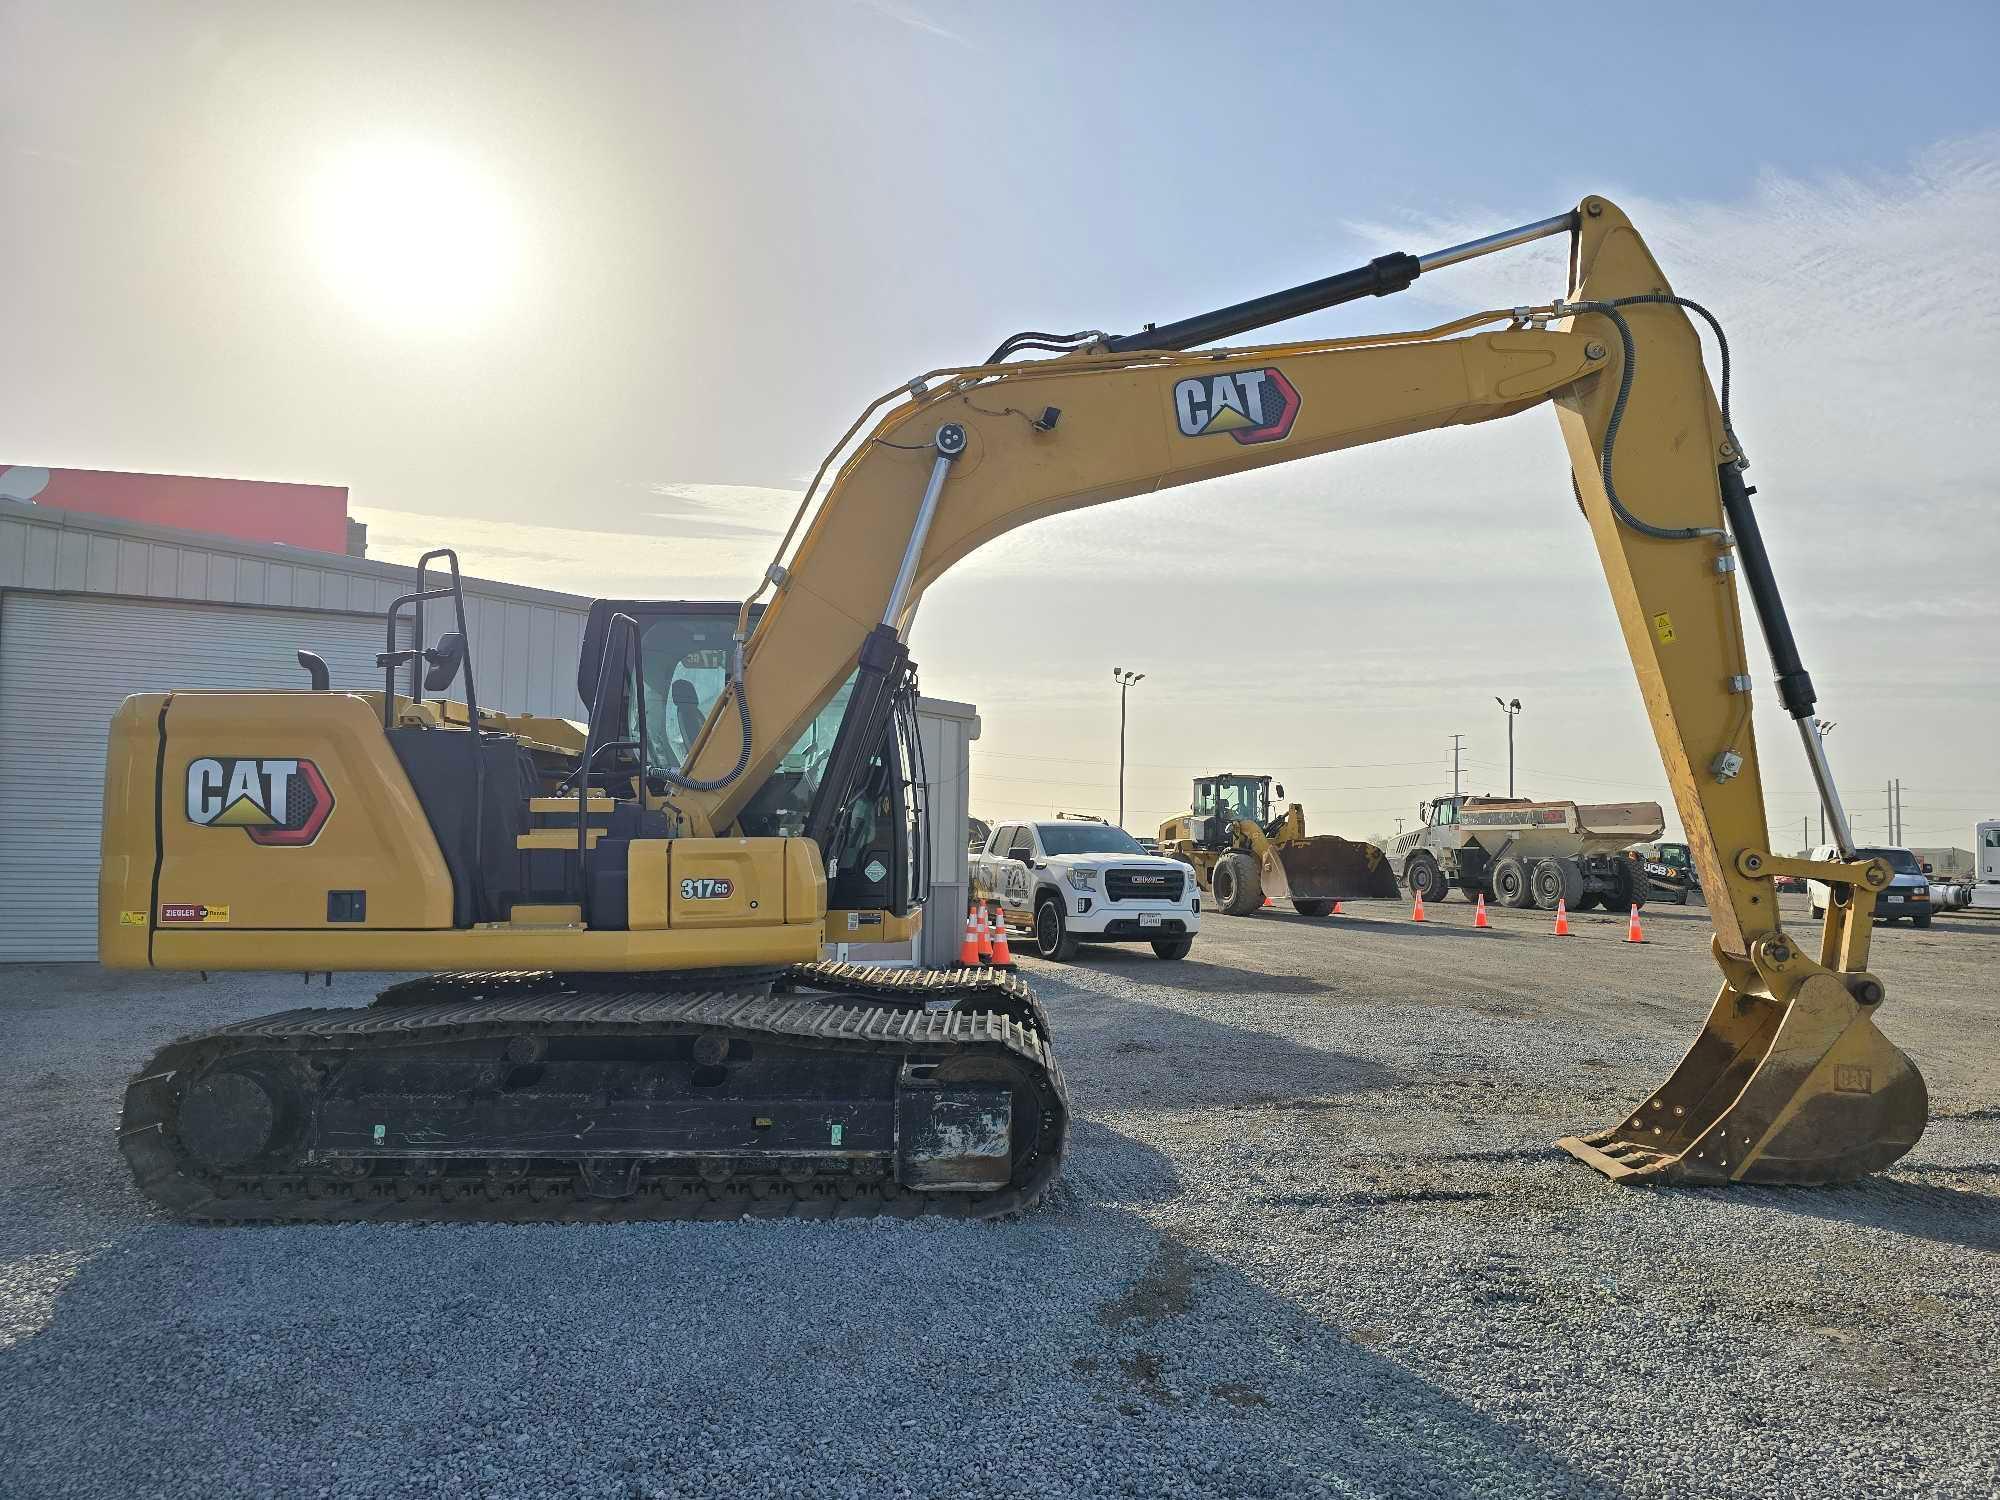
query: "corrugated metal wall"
524, 641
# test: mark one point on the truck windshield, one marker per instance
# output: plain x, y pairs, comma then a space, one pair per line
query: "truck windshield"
1900, 860
1086, 838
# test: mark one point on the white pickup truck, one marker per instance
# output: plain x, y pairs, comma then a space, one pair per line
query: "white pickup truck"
1068, 883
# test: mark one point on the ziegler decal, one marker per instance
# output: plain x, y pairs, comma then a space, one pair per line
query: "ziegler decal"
277, 802
706, 888
1252, 406
182, 912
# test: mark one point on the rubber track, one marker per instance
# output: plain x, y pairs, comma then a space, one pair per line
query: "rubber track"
474, 1007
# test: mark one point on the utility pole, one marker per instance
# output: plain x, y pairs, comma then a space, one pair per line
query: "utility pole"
1510, 710
1889, 810
1457, 743
1124, 679
1899, 811
1805, 833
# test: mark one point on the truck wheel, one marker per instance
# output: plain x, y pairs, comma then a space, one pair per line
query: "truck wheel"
1557, 881
1922, 919
1172, 947
1546, 881
1510, 883
1424, 878
1638, 887
1313, 908
1238, 891
1052, 939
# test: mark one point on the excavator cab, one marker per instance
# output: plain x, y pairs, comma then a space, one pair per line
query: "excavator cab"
878, 841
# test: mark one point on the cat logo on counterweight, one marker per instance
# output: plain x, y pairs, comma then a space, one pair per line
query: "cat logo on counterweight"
1252, 406
277, 802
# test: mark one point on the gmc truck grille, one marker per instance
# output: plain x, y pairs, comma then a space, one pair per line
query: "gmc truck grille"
1143, 885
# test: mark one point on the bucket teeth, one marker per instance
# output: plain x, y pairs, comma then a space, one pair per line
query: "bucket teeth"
1803, 1091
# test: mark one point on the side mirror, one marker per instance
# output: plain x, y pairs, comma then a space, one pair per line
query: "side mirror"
317, 675
1280, 790
445, 658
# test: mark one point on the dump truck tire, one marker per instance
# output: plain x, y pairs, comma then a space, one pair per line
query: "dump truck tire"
1510, 883
1424, 878
1238, 889
1556, 880
1313, 908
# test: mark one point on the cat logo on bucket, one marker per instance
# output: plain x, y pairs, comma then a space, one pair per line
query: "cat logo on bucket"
1252, 406
276, 802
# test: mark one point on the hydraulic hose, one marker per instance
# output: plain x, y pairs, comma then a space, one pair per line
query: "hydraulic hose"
1610, 310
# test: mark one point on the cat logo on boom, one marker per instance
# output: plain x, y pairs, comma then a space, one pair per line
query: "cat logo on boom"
1252, 406
277, 802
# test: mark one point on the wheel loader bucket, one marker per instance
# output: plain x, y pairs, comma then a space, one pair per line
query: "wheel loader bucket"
1324, 868
1802, 1091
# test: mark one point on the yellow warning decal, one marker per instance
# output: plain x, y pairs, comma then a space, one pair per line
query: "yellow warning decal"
1663, 627
131, 919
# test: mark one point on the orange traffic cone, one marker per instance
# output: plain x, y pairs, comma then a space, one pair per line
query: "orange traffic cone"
1337, 911
1562, 917
968, 951
1417, 911
984, 933
1003, 956
1479, 916
1269, 902
1632, 932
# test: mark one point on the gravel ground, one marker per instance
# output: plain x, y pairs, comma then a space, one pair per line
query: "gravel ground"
1312, 1240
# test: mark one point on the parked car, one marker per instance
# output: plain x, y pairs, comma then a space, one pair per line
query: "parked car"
1069, 882
1908, 895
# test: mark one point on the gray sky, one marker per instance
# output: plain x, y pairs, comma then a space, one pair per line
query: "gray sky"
589, 289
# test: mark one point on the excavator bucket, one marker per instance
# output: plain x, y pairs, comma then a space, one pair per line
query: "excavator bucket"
1799, 1091
1325, 868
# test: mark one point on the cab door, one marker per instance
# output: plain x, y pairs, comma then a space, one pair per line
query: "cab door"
1014, 875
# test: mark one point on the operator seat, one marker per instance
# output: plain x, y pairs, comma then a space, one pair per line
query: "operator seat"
687, 709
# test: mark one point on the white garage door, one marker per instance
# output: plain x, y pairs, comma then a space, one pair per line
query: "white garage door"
66, 662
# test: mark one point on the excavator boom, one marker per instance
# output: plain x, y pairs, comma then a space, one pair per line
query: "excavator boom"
1790, 1080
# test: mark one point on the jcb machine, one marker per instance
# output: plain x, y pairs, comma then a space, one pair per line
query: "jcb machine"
1241, 854
615, 1020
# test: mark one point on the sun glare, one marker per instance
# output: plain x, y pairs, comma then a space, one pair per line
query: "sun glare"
414, 236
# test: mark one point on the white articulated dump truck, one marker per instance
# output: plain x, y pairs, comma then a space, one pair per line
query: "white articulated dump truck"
1523, 853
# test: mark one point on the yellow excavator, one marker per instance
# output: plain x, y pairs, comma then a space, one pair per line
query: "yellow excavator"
620, 1010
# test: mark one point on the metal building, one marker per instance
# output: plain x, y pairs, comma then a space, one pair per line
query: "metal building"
94, 609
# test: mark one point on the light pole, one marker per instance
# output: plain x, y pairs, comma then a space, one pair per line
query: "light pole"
1822, 728
1124, 679
1510, 709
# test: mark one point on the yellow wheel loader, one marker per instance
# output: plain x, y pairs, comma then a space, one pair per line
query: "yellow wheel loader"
619, 1010
1241, 854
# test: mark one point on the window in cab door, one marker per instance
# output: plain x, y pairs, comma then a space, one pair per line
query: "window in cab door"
779, 809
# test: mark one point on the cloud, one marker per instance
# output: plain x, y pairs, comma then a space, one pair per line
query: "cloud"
914, 18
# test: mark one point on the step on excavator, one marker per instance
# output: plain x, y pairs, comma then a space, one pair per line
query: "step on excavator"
619, 1008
